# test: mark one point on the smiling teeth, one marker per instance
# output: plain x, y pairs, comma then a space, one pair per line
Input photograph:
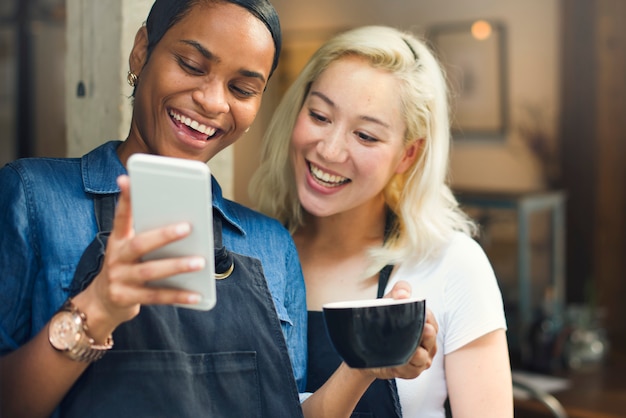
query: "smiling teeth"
327, 179
193, 124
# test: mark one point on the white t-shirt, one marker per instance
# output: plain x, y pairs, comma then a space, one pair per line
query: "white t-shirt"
461, 290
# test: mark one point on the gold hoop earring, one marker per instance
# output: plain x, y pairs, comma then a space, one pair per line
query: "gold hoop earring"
132, 78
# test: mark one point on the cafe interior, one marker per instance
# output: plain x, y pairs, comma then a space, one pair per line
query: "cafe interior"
538, 159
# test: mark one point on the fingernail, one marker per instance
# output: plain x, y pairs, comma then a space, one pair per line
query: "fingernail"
197, 263
183, 229
195, 298
402, 294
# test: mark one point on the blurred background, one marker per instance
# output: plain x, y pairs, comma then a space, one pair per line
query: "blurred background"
539, 152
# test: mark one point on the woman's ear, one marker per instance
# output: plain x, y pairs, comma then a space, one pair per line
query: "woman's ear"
139, 53
410, 154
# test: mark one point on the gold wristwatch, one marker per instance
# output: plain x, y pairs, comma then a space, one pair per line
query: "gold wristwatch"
67, 333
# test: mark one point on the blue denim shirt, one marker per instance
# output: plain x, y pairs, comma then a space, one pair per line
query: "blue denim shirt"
47, 220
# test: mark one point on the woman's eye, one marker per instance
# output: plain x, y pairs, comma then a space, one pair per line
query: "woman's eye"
366, 137
188, 66
317, 116
242, 92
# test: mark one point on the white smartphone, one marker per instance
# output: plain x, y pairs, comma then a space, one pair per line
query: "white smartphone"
165, 191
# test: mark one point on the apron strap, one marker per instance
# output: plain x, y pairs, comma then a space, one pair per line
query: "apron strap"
91, 260
383, 279
383, 276
224, 261
104, 206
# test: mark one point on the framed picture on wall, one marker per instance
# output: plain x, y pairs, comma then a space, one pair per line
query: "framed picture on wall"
473, 55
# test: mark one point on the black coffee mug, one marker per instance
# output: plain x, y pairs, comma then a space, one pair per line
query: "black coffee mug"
377, 332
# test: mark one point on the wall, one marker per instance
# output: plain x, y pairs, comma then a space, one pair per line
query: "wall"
99, 38
48, 75
32, 72
533, 68
8, 91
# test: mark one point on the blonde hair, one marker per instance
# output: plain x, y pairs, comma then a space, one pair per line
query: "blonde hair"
426, 210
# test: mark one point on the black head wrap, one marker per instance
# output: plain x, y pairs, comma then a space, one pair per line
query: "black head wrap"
165, 13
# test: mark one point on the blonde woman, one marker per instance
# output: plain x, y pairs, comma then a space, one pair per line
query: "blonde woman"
355, 164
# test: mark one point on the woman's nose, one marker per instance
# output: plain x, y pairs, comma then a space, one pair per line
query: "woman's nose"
212, 96
333, 146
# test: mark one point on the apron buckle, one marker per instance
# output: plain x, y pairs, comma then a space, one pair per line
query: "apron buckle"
227, 273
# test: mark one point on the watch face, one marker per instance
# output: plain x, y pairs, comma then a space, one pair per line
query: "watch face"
65, 329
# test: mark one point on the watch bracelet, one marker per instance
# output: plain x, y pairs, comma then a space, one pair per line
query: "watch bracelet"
88, 354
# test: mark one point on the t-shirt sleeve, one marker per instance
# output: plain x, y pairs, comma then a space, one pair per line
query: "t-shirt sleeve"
472, 295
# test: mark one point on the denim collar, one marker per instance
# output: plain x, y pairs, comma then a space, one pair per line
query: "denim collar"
224, 207
100, 169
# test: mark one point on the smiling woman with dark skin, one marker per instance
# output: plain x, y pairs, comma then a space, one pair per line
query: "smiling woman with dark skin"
68, 251
185, 79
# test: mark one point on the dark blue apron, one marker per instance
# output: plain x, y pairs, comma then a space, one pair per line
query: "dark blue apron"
231, 361
381, 398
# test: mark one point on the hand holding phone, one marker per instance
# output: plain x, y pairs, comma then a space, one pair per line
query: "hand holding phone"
165, 191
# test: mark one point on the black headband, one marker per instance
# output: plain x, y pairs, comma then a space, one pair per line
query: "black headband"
411, 48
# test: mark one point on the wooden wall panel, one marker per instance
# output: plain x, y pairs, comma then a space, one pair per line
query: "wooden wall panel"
610, 197
593, 152
577, 142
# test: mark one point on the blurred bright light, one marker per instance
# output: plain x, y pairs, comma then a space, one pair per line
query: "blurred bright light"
481, 30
